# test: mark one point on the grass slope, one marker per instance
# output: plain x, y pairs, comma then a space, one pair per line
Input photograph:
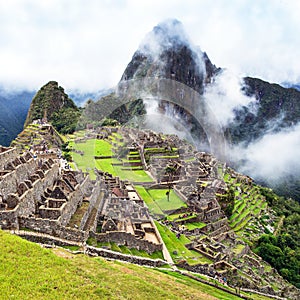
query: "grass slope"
29, 272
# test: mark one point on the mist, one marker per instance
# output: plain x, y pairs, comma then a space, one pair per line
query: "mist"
272, 157
225, 97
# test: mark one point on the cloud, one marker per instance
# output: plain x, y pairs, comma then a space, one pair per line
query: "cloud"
272, 157
88, 44
225, 96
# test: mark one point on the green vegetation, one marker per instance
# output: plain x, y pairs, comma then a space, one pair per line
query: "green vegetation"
65, 120
157, 200
84, 153
246, 205
106, 165
28, 271
176, 246
283, 250
93, 112
227, 201
53, 103
164, 201
194, 225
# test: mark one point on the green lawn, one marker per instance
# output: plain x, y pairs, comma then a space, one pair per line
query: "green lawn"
106, 165
129, 174
92, 147
157, 200
161, 199
191, 226
95, 147
132, 174
152, 205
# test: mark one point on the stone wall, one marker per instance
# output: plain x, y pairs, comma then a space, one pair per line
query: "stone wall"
85, 185
10, 181
50, 176
124, 257
27, 200
23, 170
127, 239
180, 194
7, 155
94, 204
199, 268
26, 205
8, 219
52, 227
45, 238
68, 209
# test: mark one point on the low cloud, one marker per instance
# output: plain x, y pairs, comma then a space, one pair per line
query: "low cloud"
272, 157
224, 97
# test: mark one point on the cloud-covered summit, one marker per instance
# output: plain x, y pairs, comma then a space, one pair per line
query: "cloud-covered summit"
167, 52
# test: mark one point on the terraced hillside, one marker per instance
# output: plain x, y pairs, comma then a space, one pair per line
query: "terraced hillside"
37, 135
250, 216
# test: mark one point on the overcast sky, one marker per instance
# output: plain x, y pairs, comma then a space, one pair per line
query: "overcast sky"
87, 44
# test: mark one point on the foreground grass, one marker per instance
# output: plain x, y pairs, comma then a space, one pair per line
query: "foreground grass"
29, 272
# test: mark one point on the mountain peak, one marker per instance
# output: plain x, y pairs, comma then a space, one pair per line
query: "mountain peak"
51, 102
167, 52
167, 34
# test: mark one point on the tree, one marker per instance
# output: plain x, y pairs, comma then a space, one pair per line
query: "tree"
65, 120
170, 171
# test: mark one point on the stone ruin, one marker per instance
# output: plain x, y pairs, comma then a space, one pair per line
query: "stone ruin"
198, 180
125, 219
38, 195
36, 191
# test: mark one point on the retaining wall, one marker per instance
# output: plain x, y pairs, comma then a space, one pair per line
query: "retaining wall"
124, 257
127, 239
52, 227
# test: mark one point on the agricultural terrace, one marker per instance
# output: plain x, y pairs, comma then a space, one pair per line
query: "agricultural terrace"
84, 153
249, 215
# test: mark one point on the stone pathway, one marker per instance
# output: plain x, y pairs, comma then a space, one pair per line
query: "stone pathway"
167, 256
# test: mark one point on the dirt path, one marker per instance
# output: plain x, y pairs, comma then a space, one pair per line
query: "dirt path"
280, 223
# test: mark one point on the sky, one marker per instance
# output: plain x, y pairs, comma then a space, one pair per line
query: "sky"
86, 44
